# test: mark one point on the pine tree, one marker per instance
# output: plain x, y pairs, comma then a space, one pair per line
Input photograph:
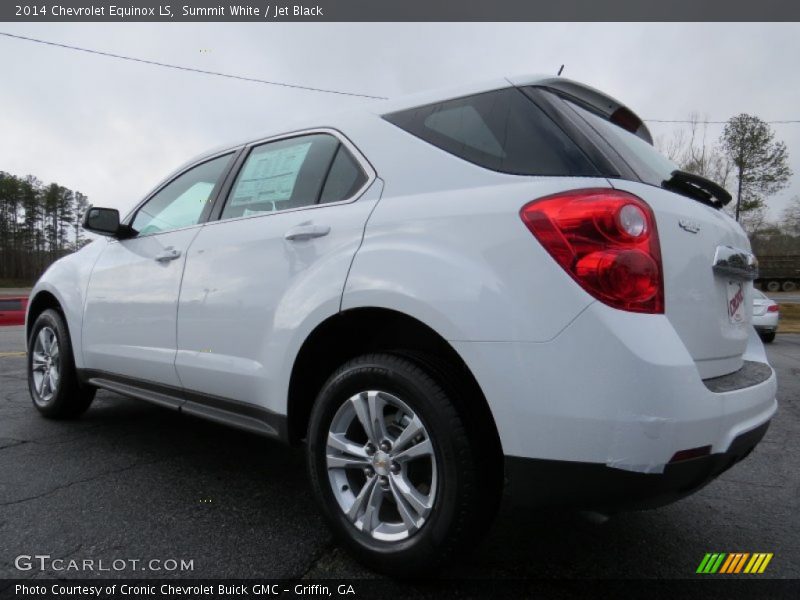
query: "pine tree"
760, 163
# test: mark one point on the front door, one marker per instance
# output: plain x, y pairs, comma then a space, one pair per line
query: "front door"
130, 319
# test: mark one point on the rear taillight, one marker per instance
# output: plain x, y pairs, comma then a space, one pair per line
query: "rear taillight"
773, 308
607, 241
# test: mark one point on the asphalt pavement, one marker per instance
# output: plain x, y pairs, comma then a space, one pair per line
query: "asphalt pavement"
132, 481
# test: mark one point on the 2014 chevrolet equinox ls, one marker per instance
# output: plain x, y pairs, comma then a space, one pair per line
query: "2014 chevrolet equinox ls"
503, 287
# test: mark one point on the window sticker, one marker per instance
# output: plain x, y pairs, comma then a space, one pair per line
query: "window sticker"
269, 176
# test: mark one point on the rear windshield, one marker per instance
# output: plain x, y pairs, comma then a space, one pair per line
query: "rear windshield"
647, 162
501, 130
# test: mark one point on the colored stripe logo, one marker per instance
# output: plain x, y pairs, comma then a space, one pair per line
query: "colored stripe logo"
734, 562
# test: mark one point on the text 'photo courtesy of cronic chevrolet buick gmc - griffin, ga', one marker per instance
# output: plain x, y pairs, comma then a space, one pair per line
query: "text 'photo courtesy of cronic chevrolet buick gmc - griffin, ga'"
501, 291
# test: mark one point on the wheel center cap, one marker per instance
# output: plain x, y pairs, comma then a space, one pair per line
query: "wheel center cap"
381, 462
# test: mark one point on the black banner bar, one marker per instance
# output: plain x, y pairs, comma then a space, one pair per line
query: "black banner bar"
398, 10
706, 587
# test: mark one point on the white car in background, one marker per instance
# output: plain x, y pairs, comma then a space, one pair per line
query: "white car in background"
766, 313
503, 287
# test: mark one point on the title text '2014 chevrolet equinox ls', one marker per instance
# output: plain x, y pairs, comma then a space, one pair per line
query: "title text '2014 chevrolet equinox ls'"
502, 287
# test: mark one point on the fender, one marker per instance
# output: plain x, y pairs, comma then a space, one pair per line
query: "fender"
462, 262
67, 280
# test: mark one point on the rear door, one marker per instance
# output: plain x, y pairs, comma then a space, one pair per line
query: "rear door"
710, 311
707, 306
129, 325
279, 253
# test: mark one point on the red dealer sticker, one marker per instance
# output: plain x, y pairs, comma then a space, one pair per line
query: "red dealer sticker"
736, 301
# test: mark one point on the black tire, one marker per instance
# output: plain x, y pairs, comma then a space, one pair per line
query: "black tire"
69, 399
767, 337
458, 514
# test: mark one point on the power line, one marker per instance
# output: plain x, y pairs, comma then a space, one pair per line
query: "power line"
292, 85
708, 122
191, 69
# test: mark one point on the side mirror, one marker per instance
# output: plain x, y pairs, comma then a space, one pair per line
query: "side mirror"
105, 221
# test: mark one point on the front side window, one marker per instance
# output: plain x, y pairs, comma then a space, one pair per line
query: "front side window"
501, 130
293, 173
182, 201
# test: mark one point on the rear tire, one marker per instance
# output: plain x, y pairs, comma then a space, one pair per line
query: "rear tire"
789, 286
52, 379
768, 337
428, 507
773, 286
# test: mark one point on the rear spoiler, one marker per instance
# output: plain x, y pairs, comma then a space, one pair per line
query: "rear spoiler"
594, 100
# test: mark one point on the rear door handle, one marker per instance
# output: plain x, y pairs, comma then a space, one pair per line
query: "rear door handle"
306, 231
168, 254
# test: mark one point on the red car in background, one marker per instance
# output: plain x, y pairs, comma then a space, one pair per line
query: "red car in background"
12, 310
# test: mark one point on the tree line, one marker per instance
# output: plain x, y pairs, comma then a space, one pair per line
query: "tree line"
39, 223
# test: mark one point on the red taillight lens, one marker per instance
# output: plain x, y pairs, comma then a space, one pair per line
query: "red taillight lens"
773, 308
607, 241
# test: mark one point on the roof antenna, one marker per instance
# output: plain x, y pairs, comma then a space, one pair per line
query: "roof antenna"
560, 70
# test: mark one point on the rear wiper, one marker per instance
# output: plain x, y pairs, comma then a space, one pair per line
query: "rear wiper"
697, 187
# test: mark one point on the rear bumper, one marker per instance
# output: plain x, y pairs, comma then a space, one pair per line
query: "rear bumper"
619, 390
535, 482
766, 323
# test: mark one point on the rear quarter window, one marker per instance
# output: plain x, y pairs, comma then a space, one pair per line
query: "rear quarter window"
501, 130
344, 179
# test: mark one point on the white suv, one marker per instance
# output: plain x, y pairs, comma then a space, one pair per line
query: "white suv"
498, 288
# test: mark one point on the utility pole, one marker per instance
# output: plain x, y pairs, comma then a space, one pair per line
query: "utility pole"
739, 194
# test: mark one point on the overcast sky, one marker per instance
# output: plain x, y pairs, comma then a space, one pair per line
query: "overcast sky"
113, 128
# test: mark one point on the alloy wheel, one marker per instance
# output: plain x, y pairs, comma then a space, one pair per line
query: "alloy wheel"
46, 365
382, 466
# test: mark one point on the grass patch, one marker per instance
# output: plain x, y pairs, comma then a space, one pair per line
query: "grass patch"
790, 319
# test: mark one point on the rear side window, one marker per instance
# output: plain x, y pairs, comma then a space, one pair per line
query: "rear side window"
11, 305
293, 173
501, 130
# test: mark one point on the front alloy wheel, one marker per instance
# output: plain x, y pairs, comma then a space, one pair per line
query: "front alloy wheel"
46, 364
381, 465
52, 378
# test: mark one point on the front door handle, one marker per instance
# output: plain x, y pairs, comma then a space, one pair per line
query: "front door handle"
306, 231
168, 254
